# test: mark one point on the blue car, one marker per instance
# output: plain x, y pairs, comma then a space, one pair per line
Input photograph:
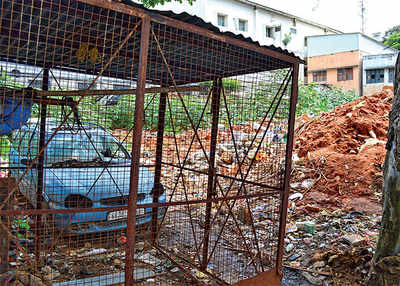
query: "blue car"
84, 167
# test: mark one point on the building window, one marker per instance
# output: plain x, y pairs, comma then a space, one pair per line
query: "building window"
277, 29
391, 75
376, 76
319, 76
243, 25
345, 74
222, 20
293, 31
269, 32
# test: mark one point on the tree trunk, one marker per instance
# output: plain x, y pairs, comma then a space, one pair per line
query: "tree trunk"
386, 266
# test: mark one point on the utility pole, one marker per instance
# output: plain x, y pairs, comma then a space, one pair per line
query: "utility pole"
363, 14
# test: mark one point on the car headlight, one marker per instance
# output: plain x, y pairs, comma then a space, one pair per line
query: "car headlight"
76, 201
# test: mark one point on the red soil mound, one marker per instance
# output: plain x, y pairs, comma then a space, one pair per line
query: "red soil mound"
344, 150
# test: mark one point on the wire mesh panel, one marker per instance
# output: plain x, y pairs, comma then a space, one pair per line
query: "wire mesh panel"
134, 150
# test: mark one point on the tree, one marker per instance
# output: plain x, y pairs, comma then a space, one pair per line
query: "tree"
286, 40
153, 3
395, 29
386, 263
393, 40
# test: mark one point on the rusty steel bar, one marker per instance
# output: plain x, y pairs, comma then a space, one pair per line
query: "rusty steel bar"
288, 164
94, 92
194, 266
136, 143
225, 177
155, 17
70, 112
252, 161
40, 173
4, 238
158, 205
211, 186
42, 100
157, 172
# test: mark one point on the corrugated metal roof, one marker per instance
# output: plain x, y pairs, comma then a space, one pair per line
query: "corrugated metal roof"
195, 20
52, 33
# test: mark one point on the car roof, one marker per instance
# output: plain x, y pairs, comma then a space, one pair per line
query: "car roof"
52, 124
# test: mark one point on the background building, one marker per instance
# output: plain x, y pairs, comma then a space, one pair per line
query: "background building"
337, 59
266, 25
378, 70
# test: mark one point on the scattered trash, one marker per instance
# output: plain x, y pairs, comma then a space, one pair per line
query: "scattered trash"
296, 196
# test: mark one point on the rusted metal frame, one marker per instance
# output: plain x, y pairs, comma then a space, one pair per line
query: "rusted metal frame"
141, 206
136, 144
288, 164
40, 172
157, 172
155, 17
241, 176
180, 175
18, 245
109, 162
225, 177
211, 191
42, 100
181, 166
192, 124
113, 91
105, 167
192, 265
180, 96
173, 261
91, 142
65, 119
238, 192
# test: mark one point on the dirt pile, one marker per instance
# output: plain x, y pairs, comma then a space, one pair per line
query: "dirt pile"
342, 153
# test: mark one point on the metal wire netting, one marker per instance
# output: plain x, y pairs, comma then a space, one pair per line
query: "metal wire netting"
135, 150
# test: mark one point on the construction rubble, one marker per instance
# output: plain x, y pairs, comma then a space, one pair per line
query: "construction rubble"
336, 191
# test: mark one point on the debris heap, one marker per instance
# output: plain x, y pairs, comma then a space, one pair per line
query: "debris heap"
342, 154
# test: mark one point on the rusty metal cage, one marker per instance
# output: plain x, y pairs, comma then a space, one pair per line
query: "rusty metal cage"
139, 147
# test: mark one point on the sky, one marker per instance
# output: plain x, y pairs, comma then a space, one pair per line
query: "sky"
343, 15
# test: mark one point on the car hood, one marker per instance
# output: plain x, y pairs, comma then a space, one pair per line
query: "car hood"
95, 182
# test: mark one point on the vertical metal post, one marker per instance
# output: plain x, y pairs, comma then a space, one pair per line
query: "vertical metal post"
136, 143
288, 165
215, 103
157, 171
6, 185
40, 173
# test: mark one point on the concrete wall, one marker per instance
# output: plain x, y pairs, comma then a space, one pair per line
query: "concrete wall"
372, 47
382, 61
331, 44
345, 59
258, 18
331, 63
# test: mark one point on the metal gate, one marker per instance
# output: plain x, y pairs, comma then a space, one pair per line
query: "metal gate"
139, 147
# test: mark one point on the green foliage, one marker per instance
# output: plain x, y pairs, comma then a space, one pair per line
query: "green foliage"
395, 29
393, 41
153, 3
286, 40
314, 98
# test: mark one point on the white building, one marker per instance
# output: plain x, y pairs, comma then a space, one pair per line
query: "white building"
378, 70
263, 24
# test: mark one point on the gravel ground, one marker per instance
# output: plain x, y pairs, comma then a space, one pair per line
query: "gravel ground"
293, 278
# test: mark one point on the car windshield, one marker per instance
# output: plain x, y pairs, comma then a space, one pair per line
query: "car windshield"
69, 146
